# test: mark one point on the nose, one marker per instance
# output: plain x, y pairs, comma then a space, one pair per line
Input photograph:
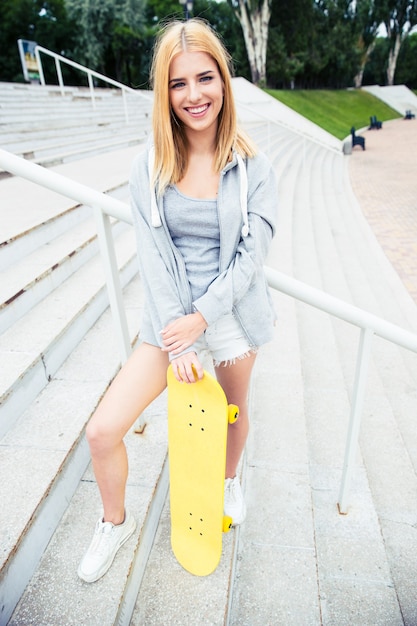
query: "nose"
194, 93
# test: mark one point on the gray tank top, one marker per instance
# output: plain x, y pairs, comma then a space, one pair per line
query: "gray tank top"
194, 227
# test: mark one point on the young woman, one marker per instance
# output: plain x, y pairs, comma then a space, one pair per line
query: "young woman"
204, 205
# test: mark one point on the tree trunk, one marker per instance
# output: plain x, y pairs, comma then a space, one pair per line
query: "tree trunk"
254, 23
357, 81
392, 60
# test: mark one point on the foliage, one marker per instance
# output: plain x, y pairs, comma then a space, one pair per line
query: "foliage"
336, 111
45, 21
109, 35
399, 17
311, 43
219, 15
254, 17
407, 62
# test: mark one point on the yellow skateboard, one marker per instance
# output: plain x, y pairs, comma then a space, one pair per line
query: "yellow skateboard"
198, 416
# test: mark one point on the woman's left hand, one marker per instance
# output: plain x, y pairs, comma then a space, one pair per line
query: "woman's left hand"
187, 368
183, 332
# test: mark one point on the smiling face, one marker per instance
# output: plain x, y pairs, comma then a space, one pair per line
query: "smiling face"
196, 91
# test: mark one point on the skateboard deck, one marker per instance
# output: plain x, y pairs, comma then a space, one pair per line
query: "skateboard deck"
198, 417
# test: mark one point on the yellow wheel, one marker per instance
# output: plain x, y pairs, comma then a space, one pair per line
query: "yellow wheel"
227, 523
233, 413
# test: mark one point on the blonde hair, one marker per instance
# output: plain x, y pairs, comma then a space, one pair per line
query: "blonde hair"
171, 152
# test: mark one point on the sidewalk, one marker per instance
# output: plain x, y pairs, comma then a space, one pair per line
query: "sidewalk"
384, 179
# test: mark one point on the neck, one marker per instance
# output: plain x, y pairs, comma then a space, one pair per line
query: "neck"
201, 144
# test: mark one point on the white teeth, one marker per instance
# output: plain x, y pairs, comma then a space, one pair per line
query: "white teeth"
198, 109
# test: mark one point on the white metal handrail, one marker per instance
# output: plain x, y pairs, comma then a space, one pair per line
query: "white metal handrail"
91, 74
293, 129
370, 324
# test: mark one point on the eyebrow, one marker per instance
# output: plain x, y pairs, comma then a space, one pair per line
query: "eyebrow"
199, 75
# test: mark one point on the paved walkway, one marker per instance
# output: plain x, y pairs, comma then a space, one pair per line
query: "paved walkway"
384, 179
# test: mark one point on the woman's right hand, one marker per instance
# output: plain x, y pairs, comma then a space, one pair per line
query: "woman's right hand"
187, 368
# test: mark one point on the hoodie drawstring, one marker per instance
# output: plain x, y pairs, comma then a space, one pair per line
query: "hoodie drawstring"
243, 176
155, 217
243, 195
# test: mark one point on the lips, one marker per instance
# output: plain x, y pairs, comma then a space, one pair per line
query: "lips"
198, 110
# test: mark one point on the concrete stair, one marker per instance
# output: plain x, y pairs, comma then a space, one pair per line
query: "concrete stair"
398, 97
295, 560
48, 127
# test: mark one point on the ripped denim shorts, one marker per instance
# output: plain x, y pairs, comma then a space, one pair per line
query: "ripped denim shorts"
225, 341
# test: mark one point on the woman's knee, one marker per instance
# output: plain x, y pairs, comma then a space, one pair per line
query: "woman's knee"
100, 437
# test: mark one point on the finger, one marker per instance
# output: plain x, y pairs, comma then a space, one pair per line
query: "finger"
177, 373
199, 370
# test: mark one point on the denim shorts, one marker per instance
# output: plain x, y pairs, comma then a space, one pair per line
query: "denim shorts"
225, 341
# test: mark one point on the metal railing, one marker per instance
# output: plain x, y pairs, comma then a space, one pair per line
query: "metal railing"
271, 120
91, 74
369, 324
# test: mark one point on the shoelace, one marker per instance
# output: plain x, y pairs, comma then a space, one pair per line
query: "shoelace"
102, 537
231, 490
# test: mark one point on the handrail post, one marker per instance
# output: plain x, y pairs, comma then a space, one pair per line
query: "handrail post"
114, 288
91, 85
59, 74
362, 363
125, 106
40, 67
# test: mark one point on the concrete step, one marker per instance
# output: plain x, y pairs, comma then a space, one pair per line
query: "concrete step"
45, 457
30, 359
30, 139
54, 373
88, 150
30, 280
105, 172
39, 147
295, 560
23, 128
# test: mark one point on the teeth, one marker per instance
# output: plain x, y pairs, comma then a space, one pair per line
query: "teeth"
198, 109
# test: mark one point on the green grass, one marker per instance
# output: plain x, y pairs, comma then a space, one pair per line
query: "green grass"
335, 111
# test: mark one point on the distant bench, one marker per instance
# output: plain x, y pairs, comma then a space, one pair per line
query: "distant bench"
357, 140
409, 115
375, 124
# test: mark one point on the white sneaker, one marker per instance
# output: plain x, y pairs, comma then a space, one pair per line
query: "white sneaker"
106, 541
234, 504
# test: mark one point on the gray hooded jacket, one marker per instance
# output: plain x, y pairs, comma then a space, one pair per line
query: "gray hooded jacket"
246, 204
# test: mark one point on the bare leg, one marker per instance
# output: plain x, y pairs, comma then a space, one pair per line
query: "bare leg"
235, 381
139, 382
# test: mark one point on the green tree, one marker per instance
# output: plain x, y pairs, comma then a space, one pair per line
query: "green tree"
254, 16
224, 21
218, 14
109, 35
369, 17
407, 66
376, 68
399, 17
334, 56
39, 20
288, 41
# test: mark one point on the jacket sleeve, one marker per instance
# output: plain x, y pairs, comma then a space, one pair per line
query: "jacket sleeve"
246, 266
158, 267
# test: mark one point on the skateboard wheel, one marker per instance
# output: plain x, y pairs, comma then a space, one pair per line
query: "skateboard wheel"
233, 411
227, 523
